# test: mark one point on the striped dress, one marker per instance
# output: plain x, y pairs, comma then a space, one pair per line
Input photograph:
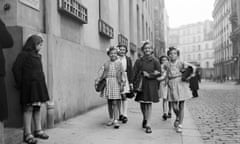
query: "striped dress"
112, 89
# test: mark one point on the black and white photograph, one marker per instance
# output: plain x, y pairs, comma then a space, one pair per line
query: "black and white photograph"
119, 71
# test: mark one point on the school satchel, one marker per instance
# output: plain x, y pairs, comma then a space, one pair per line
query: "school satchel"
100, 85
186, 73
130, 95
138, 83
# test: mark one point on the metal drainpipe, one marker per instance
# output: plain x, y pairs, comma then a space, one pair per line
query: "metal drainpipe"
48, 31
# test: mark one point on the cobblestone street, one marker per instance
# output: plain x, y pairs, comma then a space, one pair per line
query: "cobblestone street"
217, 112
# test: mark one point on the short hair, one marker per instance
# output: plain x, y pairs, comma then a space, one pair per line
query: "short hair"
172, 49
111, 48
122, 45
32, 42
161, 57
144, 44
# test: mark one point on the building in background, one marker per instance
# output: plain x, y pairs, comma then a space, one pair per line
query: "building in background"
161, 26
76, 35
195, 44
224, 66
166, 31
235, 37
173, 37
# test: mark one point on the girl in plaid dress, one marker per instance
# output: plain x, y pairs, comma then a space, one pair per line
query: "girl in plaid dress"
113, 73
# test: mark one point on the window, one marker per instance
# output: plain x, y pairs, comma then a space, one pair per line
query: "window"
206, 45
207, 64
105, 29
199, 56
199, 47
73, 9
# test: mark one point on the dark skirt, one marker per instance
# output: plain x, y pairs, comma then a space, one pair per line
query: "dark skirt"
3, 100
149, 92
34, 91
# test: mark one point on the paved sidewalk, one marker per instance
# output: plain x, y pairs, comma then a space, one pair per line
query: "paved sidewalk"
90, 128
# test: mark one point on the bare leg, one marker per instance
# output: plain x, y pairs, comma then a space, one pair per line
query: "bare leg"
181, 111
124, 107
110, 109
27, 119
116, 109
165, 106
142, 106
169, 107
175, 109
116, 112
37, 118
148, 113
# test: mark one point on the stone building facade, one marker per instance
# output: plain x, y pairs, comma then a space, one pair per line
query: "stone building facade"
222, 44
235, 37
76, 34
195, 44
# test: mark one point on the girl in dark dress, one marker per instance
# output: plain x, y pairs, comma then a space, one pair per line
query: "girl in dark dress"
146, 68
30, 81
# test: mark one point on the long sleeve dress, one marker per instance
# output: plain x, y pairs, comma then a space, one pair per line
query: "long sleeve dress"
149, 92
30, 79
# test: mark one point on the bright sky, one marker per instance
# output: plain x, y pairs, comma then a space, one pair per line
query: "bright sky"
183, 12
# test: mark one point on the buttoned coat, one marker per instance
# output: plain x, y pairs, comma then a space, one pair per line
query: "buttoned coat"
30, 80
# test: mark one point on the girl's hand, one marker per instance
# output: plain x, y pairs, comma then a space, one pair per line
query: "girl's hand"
121, 87
131, 86
146, 74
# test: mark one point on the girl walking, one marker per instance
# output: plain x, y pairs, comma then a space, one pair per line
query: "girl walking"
30, 81
178, 90
146, 70
114, 75
127, 67
163, 88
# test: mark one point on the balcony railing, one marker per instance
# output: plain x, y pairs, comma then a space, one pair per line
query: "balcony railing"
105, 29
73, 9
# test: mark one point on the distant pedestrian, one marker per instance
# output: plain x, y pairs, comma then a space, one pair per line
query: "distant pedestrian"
146, 71
113, 73
163, 88
194, 83
30, 80
6, 41
178, 90
128, 72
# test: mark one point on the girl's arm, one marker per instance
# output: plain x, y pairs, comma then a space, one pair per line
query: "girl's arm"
163, 76
17, 69
156, 73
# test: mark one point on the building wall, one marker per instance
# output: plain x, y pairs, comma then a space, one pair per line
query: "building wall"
73, 51
195, 44
235, 38
222, 42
